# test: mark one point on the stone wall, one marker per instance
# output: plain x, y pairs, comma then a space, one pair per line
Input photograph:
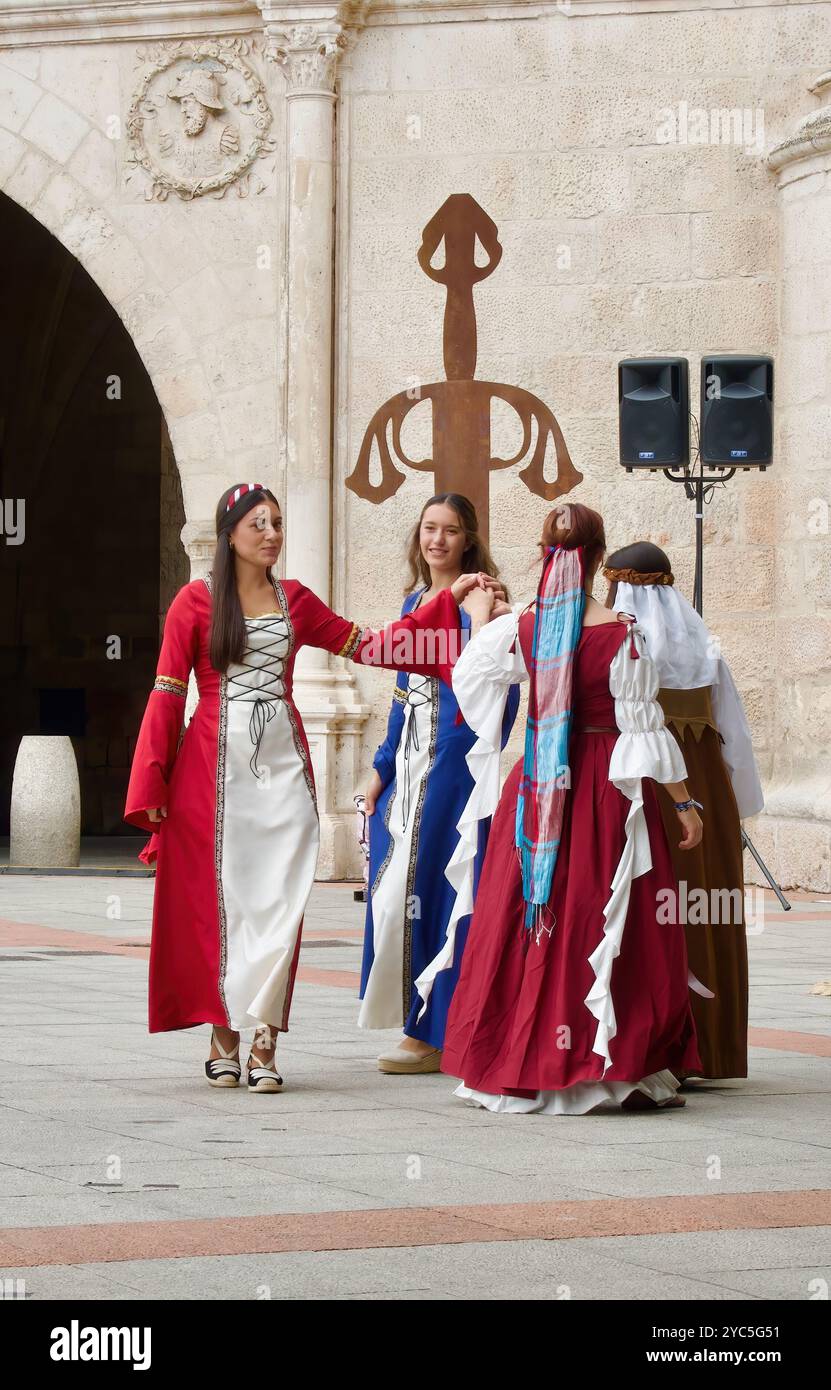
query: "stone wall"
615, 244
195, 281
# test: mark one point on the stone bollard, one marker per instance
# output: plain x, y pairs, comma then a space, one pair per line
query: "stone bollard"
46, 804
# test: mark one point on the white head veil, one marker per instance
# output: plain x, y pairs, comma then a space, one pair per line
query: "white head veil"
687, 656
677, 639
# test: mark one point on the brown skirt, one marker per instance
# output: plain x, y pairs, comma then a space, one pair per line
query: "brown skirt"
716, 949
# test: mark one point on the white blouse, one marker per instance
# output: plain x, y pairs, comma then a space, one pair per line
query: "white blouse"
490, 663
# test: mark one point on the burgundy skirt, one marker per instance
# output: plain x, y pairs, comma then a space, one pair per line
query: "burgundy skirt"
518, 1023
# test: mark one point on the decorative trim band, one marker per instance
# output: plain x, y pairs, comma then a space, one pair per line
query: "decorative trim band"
170, 685
106, 21
42, 21
352, 642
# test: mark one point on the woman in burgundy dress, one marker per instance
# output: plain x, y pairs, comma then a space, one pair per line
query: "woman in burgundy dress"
571, 992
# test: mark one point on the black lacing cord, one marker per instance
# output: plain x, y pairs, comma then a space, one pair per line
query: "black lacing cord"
264, 706
418, 695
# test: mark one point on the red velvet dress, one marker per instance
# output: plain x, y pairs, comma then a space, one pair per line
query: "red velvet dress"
238, 848
519, 1025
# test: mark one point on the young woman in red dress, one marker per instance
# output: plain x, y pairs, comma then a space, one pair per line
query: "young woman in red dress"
571, 993
232, 801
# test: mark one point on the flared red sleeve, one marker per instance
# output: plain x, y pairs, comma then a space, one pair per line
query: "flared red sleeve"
737, 746
491, 663
644, 748
426, 642
161, 726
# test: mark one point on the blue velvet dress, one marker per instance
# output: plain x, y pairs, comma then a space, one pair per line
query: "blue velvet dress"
412, 836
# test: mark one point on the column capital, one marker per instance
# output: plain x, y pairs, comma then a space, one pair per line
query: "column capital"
308, 40
199, 541
812, 135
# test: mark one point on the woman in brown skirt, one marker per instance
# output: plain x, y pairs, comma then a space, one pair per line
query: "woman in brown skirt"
702, 707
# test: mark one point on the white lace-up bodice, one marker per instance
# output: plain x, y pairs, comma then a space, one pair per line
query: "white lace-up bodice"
258, 678
419, 693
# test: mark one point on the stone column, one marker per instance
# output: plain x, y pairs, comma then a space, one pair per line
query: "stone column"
199, 540
795, 832
327, 698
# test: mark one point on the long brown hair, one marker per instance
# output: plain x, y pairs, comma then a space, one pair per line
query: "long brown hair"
475, 556
227, 620
571, 524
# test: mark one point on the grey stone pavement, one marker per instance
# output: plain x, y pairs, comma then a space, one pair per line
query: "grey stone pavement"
108, 1134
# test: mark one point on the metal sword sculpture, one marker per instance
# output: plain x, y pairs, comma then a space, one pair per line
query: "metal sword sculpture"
462, 457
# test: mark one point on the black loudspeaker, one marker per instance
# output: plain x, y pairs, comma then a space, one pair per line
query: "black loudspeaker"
737, 411
654, 412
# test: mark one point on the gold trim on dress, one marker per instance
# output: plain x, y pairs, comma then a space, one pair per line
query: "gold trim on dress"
219, 822
407, 972
352, 642
171, 685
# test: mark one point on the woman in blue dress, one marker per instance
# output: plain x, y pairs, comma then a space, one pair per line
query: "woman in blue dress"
418, 790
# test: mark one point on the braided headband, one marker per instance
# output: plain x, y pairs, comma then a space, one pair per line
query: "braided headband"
637, 577
241, 492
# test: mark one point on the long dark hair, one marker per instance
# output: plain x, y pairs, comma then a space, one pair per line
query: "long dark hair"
475, 556
227, 621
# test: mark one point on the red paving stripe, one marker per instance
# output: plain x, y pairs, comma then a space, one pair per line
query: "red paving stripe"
340, 979
347, 933
808, 1044
410, 1227
34, 935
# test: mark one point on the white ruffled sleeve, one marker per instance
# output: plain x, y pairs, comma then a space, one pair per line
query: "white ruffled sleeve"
490, 664
645, 747
737, 749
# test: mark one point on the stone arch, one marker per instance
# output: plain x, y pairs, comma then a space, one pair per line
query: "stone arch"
91, 515
107, 238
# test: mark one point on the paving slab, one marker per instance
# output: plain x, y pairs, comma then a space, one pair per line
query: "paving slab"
345, 1146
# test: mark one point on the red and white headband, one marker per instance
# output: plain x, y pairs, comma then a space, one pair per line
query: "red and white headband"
241, 492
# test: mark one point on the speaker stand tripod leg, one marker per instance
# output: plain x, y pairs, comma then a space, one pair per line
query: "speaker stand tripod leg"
748, 843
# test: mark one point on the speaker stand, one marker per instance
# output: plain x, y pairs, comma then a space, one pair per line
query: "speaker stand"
699, 492
748, 844
693, 479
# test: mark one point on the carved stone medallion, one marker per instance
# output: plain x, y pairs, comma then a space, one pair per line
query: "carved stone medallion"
199, 118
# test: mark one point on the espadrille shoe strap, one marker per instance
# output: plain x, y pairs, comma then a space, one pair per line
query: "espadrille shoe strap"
226, 1064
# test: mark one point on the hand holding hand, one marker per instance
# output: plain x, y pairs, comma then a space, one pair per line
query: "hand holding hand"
467, 582
479, 604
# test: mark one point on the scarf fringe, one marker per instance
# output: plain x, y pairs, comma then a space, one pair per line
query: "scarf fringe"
535, 924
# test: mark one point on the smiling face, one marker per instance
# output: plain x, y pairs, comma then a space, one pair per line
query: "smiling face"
442, 539
258, 537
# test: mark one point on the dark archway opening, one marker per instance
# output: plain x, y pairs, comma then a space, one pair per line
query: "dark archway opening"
90, 516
